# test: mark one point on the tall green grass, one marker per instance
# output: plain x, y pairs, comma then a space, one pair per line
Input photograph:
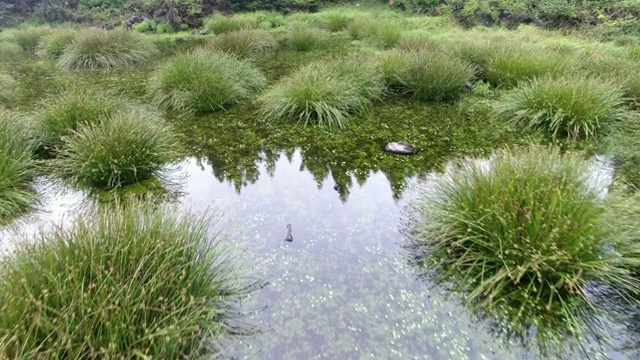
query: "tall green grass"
510, 65
125, 148
570, 106
17, 166
204, 81
523, 237
304, 38
62, 115
385, 32
324, 92
8, 87
52, 45
29, 36
97, 48
425, 75
130, 282
10, 51
219, 23
247, 44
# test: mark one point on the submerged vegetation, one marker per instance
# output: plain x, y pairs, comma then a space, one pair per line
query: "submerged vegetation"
134, 282
523, 237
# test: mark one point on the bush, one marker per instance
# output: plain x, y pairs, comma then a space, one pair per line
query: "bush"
98, 48
145, 26
126, 148
61, 116
577, 107
28, 37
512, 64
130, 282
306, 38
323, 92
524, 238
10, 51
427, 76
249, 44
52, 45
7, 88
164, 28
204, 81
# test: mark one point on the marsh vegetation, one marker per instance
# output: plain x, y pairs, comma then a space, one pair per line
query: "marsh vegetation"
286, 116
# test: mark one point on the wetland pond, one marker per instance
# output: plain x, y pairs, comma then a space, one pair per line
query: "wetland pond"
344, 288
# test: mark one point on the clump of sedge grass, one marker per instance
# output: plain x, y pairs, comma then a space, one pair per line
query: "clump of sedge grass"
62, 115
304, 38
17, 166
570, 106
7, 88
97, 48
28, 37
219, 23
324, 92
10, 51
386, 32
130, 282
52, 45
427, 76
128, 147
510, 65
204, 81
523, 237
248, 44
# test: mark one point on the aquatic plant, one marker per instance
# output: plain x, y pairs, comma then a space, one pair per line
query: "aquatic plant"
204, 81
324, 92
7, 88
97, 48
523, 237
427, 76
28, 37
130, 281
572, 106
304, 38
17, 165
248, 44
60, 116
128, 147
52, 45
510, 65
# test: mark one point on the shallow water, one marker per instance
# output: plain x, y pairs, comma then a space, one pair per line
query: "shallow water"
343, 289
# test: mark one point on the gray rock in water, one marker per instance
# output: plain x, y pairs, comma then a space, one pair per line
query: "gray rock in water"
206, 31
400, 148
194, 32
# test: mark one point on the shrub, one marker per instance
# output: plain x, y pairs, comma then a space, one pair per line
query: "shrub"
427, 76
510, 65
126, 148
306, 38
523, 237
323, 92
165, 28
61, 116
204, 81
135, 281
249, 44
28, 37
52, 45
145, 26
98, 48
10, 51
17, 166
577, 106
7, 88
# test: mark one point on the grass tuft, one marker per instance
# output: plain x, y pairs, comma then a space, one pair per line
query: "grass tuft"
204, 81
17, 166
510, 65
304, 38
126, 148
10, 51
28, 37
248, 44
61, 116
52, 45
324, 92
130, 282
427, 76
570, 106
523, 237
97, 48
8, 88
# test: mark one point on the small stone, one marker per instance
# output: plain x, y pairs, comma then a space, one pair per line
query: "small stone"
194, 32
468, 86
206, 31
400, 148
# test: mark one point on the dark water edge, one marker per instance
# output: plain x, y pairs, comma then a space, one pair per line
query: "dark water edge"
343, 289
